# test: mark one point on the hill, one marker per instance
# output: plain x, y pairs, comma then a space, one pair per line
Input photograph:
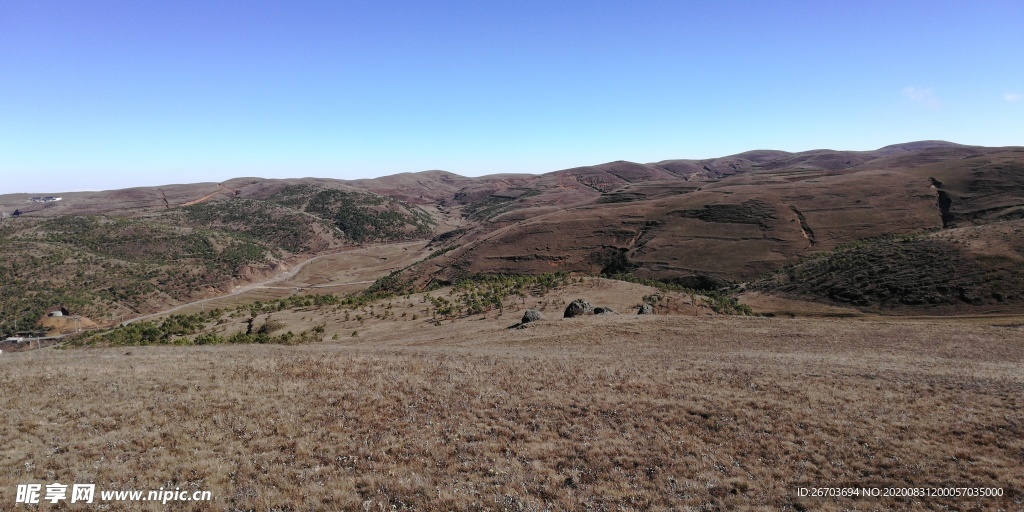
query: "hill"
944, 272
137, 254
705, 224
736, 218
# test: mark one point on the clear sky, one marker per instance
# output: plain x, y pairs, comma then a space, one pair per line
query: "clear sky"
110, 94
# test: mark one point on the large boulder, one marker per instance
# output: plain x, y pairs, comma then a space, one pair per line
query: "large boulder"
577, 307
646, 309
532, 315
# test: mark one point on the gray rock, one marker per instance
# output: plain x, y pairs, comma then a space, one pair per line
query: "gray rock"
578, 307
532, 315
646, 309
604, 311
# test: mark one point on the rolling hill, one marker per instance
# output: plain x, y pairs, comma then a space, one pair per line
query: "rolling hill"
817, 225
137, 252
735, 218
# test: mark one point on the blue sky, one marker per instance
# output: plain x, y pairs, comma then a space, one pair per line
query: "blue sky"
112, 94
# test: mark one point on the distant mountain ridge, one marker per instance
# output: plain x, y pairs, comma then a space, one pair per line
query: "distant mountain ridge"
443, 182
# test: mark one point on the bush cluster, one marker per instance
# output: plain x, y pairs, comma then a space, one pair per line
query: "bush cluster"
362, 217
188, 329
718, 302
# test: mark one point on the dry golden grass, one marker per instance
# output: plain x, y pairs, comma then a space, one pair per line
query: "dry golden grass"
411, 319
618, 412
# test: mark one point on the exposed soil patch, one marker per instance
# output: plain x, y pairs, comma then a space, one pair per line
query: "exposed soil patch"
804, 228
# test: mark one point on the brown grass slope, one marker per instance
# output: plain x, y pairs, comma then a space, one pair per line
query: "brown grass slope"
108, 267
977, 268
739, 222
730, 219
596, 413
129, 261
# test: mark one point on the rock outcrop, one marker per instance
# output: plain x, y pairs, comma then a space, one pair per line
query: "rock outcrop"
578, 307
531, 315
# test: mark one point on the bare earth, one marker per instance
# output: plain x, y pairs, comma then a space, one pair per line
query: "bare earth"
602, 412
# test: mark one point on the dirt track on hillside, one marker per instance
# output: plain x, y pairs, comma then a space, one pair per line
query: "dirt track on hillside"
365, 265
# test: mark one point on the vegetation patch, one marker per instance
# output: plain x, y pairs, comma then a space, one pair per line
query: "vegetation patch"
470, 295
494, 205
747, 212
613, 260
897, 271
97, 265
197, 328
719, 302
486, 292
362, 217
448, 236
279, 226
621, 197
127, 239
442, 251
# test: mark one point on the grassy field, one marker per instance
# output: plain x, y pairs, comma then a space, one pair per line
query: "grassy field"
603, 412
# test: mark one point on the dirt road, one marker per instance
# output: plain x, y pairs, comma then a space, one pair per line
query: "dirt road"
293, 272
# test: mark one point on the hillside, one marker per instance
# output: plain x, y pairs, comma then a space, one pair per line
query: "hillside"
737, 218
704, 224
497, 302
655, 412
945, 272
114, 265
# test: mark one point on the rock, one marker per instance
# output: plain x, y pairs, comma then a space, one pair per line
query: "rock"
577, 307
603, 311
646, 309
532, 315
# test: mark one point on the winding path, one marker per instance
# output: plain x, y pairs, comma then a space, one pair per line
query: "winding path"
283, 276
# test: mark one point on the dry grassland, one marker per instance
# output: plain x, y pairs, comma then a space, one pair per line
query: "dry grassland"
412, 319
595, 413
